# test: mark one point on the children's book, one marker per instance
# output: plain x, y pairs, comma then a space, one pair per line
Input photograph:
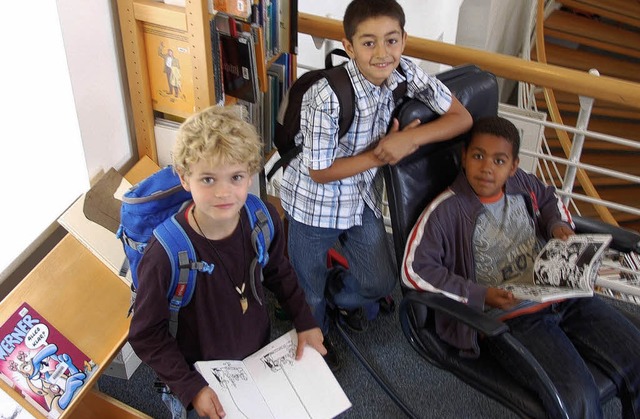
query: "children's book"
271, 383
170, 70
564, 269
40, 363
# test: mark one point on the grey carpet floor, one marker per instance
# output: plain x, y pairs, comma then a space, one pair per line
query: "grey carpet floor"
427, 391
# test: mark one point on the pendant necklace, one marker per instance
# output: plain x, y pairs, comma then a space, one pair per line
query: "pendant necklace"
244, 303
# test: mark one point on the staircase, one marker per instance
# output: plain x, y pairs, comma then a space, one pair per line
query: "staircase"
605, 35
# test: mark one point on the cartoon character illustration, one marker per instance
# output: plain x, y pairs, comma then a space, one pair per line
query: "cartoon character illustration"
171, 70
51, 375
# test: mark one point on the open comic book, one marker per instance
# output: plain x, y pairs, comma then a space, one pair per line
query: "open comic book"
272, 384
564, 269
40, 363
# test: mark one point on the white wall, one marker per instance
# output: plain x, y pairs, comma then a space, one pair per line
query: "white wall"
64, 120
494, 25
89, 33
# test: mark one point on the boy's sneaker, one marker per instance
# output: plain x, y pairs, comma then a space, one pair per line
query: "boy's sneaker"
355, 320
331, 358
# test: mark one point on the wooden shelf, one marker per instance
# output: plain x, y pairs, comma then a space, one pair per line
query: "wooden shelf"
192, 19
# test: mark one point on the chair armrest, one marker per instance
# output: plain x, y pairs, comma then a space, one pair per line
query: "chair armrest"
484, 324
461, 312
623, 240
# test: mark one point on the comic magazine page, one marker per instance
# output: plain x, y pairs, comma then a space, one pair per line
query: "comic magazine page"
271, 383
40, 363
564, 269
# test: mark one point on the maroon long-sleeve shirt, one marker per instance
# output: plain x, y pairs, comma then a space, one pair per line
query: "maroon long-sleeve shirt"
212, 325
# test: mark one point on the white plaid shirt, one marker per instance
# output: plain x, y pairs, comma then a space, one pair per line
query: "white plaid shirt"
340, 204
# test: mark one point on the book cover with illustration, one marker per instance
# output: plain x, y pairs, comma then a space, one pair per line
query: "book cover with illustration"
170, 72
40, 363
564, 269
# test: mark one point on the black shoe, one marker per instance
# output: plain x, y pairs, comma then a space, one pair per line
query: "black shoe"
331, 358
353, 319
387, 305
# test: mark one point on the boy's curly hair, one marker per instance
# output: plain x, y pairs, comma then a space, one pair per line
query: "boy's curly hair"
217, 134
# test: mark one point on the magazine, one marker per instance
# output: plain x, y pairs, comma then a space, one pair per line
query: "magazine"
564, 269
40, 363
272, 384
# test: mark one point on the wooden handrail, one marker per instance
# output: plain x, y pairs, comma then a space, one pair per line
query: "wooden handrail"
545, 75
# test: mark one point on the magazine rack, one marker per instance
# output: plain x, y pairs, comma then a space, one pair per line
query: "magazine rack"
88, 304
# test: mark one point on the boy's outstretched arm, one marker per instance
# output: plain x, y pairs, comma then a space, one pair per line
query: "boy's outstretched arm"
398, 144
207, 404
346, 167
312, 337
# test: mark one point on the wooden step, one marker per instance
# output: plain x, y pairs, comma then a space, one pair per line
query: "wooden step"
584, 60
625, 11
568, 102
592, 32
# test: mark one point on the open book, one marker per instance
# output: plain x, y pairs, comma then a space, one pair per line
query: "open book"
272, 384
564, 269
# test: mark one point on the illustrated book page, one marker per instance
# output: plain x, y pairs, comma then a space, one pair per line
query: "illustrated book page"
40, 363
272, 384
564, 269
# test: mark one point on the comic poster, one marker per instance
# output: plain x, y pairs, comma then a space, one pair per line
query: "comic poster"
170, 72
40, 363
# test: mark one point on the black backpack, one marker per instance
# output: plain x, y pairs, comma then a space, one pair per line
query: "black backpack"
338, 78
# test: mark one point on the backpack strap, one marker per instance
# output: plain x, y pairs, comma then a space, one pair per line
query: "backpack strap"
261, 237
184, 267
340, 83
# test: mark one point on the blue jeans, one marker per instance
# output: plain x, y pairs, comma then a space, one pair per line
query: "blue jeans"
372, 270
177, 409
565, 334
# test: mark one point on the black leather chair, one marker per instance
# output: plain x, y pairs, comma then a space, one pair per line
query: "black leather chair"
411, 185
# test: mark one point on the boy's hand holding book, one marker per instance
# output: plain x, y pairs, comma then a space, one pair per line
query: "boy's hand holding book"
207, 404
312, 337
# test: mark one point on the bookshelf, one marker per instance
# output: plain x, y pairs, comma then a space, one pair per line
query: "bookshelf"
194, 20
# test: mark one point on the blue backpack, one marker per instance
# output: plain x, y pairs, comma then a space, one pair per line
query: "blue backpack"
149, 208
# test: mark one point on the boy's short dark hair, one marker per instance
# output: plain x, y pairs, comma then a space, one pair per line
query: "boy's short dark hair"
500, 127
361, 10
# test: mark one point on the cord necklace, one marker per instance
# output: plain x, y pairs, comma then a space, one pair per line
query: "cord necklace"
244, 303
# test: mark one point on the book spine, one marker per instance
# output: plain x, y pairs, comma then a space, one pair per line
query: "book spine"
217, 64
293, 26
